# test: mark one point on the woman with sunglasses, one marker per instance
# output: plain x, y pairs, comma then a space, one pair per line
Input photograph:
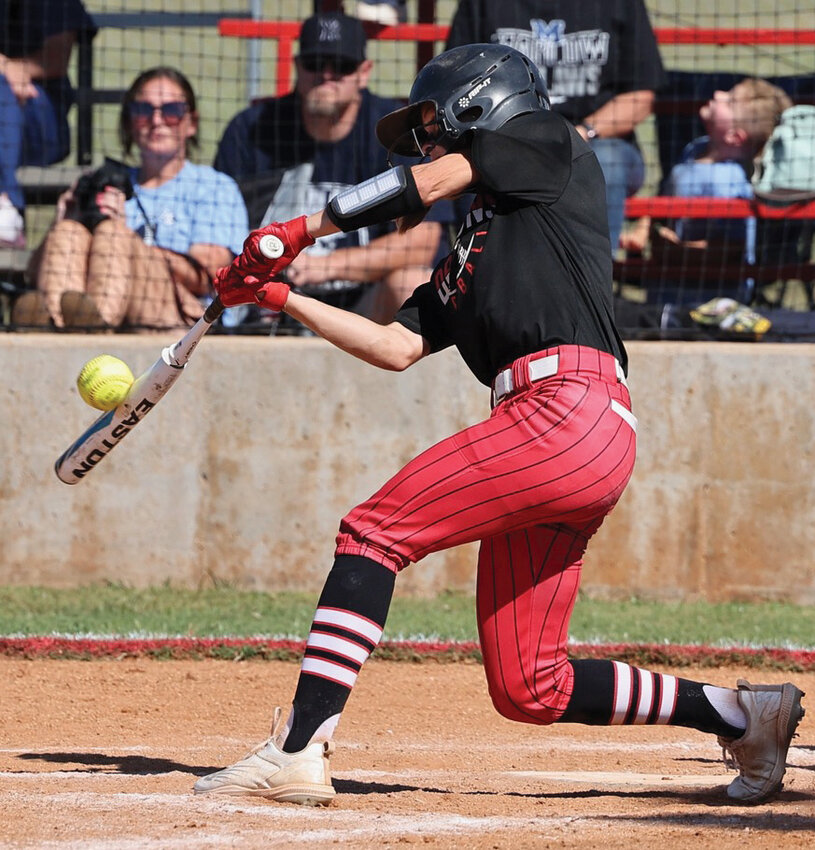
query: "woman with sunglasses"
141, 259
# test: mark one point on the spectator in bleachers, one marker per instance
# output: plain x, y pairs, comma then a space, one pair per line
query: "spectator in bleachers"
144, 261
297, 151
36, 41
720, 164
601, 63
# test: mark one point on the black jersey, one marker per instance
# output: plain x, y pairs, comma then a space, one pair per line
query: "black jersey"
588, 51
531, 265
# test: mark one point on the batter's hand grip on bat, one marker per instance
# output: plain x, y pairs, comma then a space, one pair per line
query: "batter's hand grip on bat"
267, 251
270, 246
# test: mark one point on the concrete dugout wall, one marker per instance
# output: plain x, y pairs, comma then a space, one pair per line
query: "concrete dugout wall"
242, 473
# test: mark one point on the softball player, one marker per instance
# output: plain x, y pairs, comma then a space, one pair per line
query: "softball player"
525, 296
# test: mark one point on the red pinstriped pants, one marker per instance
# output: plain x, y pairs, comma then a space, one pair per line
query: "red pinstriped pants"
533, 483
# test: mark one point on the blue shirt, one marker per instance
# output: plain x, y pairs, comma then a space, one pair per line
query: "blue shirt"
198, 206
690, 178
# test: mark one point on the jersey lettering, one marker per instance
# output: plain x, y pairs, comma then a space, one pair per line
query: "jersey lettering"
468, 245
572, 63
446, 293
441, 280
576, 81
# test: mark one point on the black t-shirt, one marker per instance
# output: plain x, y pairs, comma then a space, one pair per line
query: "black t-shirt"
267, 143
531, 266
589, 51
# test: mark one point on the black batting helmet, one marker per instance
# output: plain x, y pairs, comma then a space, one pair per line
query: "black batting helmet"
476, 86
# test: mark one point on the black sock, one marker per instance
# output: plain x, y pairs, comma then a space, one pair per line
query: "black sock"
352, 611
693, 709
609, 693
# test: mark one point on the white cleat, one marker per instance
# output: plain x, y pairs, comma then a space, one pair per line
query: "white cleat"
760, 755
268, 772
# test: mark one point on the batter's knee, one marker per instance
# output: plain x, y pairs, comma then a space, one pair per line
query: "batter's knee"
352, 541
539, 698
347, 545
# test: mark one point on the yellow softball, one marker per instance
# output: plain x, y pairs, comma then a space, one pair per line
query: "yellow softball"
104, 382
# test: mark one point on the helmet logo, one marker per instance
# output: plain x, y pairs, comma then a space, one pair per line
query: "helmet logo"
464, 101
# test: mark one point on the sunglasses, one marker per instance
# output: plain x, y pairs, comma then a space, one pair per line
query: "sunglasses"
319, 64
171, 113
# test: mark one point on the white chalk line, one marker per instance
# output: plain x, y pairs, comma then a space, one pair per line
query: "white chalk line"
702, 747
547, 746
797, 756
419, 777
605, 778
292, 825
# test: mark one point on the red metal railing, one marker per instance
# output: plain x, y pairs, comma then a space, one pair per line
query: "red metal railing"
287, 32
664, 206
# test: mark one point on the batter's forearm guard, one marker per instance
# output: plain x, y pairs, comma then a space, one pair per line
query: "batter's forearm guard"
386, 197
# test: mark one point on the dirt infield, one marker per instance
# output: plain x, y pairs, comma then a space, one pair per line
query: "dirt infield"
103, 754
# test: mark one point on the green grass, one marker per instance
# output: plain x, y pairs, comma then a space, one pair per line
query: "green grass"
109, 609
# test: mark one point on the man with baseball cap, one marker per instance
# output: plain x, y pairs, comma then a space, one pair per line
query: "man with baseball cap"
297, 151
335, 37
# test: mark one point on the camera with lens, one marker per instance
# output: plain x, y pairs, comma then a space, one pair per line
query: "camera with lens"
85, 209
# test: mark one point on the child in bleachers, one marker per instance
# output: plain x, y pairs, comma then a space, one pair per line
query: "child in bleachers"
720, 165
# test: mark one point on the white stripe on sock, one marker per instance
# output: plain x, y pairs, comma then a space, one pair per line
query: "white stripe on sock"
329, 670
339, 646
667, 701
350, 622
622, 692
645, 702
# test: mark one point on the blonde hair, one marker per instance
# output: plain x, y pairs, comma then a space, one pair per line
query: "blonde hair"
757, 108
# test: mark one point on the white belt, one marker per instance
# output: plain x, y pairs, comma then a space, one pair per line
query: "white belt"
545, 367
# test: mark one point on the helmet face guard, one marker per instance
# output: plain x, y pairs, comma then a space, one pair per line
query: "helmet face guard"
477, 86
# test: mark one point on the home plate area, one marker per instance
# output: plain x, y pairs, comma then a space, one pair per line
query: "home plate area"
104, 754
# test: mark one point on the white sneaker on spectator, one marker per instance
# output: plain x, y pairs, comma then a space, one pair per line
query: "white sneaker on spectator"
760, 754
12, 225
267, 771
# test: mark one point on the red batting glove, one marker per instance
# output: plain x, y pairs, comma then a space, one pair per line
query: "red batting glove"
293, 236
271, 294
233, 288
